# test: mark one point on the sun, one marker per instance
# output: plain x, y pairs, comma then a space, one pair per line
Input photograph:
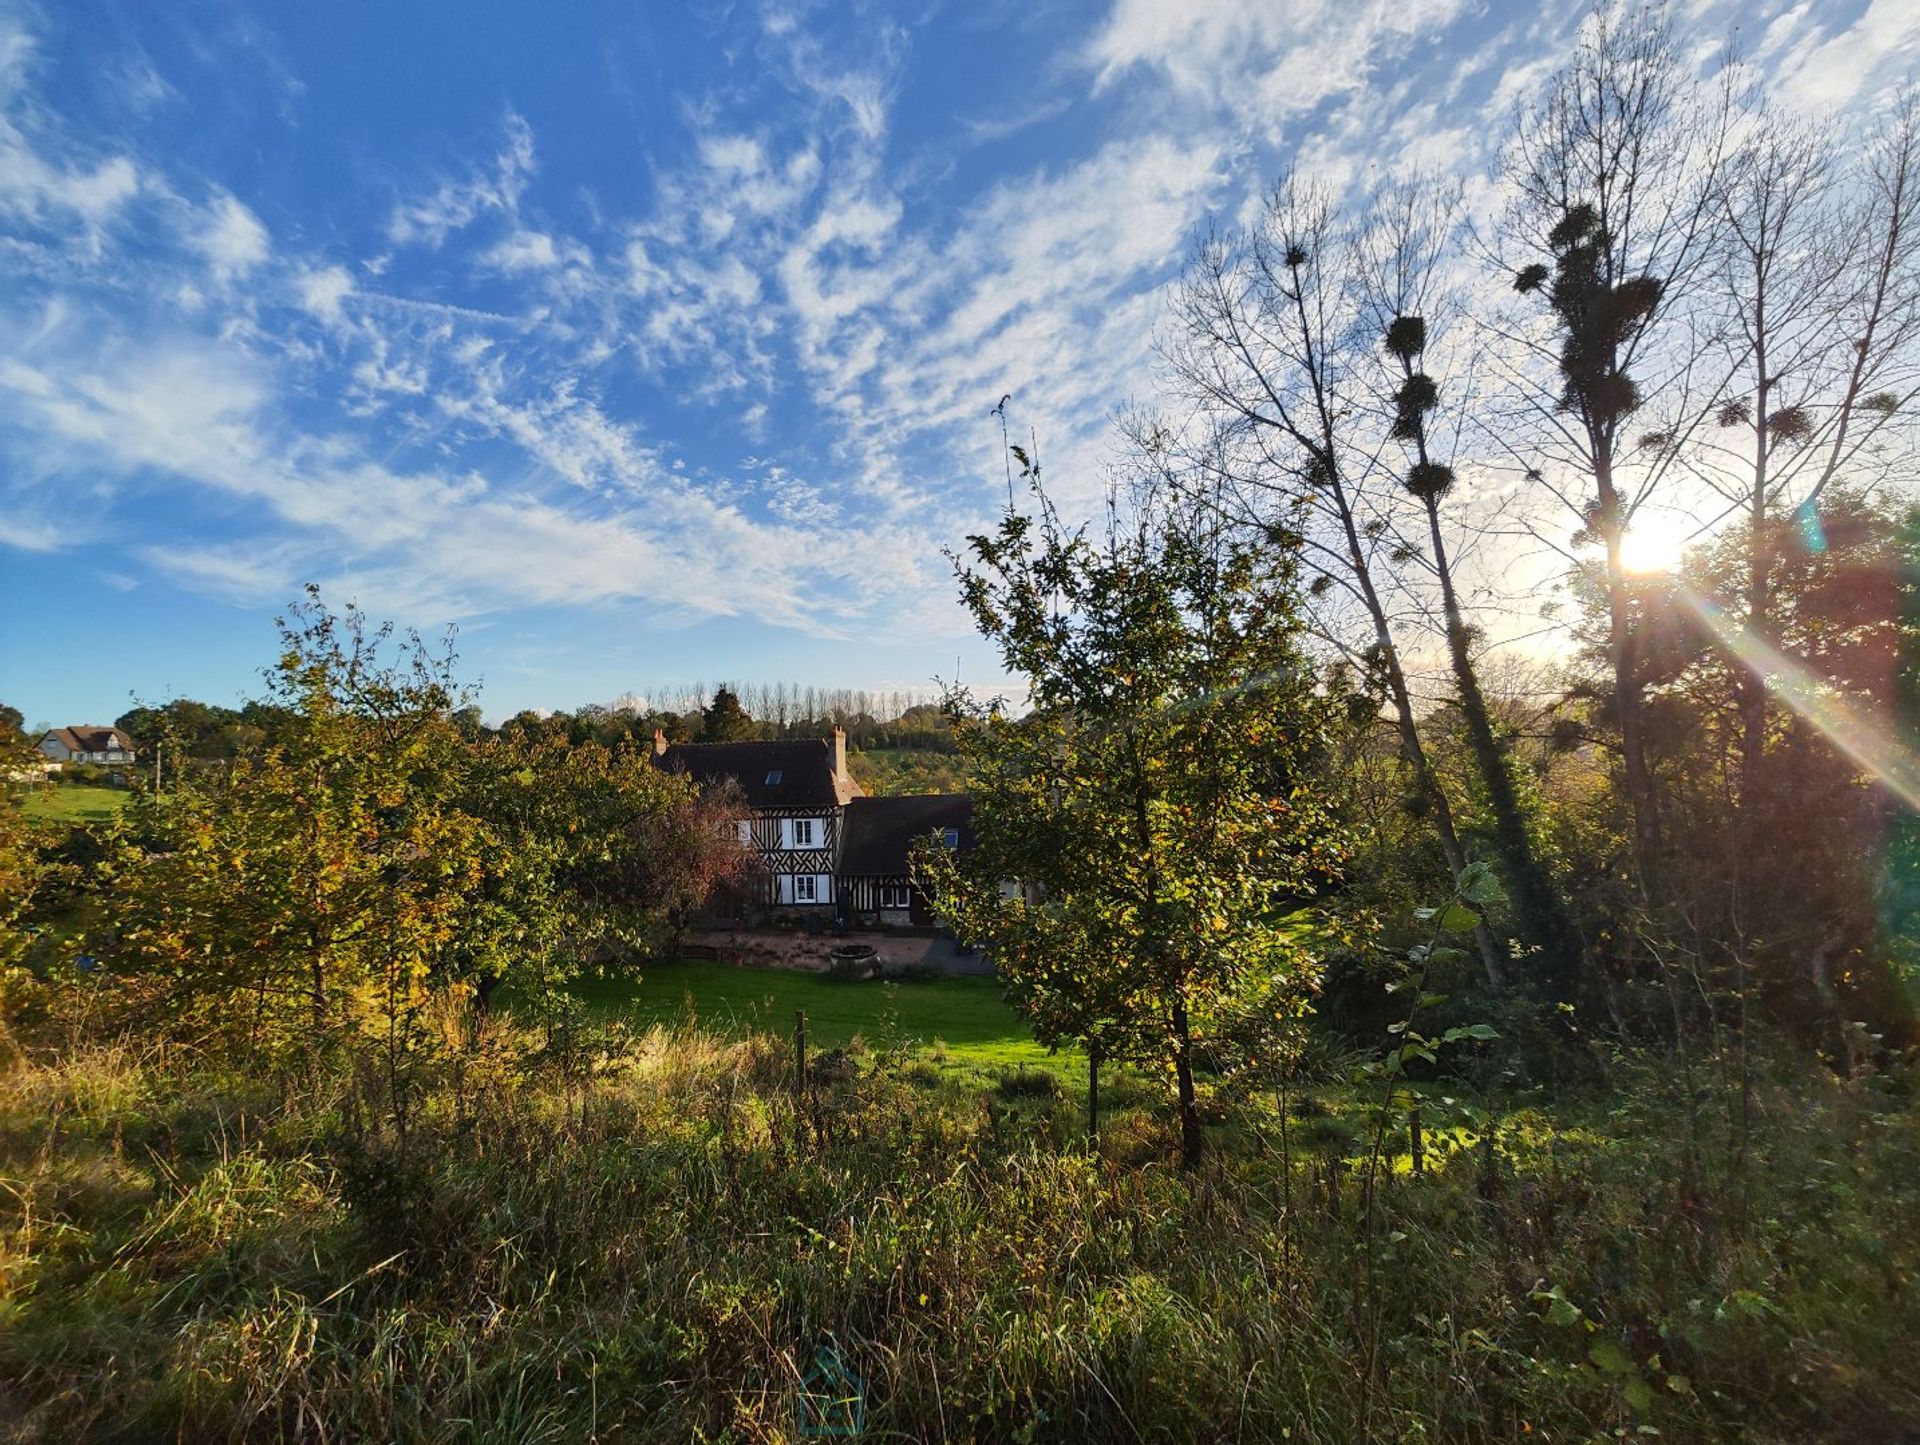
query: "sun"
1654, 542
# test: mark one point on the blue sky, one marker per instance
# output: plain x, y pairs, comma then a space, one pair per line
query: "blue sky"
647, 342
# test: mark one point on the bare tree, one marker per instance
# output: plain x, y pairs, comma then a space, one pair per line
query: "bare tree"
1404, 251
1818, 286
1616, 173
1263, 347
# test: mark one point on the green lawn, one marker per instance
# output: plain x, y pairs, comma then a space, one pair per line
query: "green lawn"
960, 1022
75, 803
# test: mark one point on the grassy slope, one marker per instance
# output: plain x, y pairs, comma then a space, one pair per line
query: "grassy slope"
75, 803
958, 1021
660, 1250
892, 772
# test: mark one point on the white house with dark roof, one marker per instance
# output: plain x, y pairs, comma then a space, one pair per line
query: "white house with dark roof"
86, 744
827, 851
796, 793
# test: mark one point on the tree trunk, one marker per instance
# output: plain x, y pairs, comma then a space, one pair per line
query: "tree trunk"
1543, 912
1425, 784
1093, 1095
1424, 781
1629, 696
1190, 1137
1752, 686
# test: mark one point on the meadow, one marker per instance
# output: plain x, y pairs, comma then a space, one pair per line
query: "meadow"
679, 1243
74, 803
956, 1023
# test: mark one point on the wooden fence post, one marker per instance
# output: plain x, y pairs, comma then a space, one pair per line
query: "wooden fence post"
800, 1053
1093, 1095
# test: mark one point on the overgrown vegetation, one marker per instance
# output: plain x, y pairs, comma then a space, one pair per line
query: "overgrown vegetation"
665, 1250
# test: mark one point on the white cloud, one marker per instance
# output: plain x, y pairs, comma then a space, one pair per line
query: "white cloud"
455, 204
539, 405
523, 251
33, 186
231, 238
1826, 70
1258, 58
323, 289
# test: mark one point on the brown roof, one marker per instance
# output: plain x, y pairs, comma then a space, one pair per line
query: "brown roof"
90, 738
792, 774
881, 831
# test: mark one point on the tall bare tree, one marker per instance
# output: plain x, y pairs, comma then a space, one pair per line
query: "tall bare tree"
1616, 174
1405, 300
1818, 289
1263, 347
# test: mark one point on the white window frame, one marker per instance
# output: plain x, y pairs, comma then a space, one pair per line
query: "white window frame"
816, 831
745, 828
805, 888
896, 895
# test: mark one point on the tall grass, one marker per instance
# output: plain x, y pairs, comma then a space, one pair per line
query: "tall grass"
663, 1248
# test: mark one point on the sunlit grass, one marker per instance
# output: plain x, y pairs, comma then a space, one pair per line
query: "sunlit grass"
74, 803
961, 1024
659, 1251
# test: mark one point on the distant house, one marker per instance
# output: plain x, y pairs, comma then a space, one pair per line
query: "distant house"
87, 744
796, 793
827, 851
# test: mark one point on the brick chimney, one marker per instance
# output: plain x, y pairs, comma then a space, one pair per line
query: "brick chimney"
839, 754
659, 742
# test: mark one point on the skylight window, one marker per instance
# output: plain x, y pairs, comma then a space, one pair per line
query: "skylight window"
773, 778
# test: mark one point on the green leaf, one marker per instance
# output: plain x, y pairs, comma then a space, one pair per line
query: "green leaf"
1607, 1353
1560, 1309
1478, 885
1458, 918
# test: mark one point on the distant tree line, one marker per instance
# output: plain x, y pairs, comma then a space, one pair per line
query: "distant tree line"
188, 730
745, 712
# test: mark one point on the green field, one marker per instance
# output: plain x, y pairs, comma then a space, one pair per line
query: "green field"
958, 1022
891, 772
75, 803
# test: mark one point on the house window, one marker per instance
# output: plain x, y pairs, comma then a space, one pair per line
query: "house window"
896, 895
745, 825
803, 889
773, 778
950, 837
803, 833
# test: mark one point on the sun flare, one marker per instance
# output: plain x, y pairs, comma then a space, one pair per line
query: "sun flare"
1654, 543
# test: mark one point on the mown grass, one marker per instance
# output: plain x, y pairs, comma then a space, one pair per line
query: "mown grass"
74, 803
665, 1249
960, 1024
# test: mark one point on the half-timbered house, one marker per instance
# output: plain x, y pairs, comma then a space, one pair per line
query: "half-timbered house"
796, 794
876, 879
827, 852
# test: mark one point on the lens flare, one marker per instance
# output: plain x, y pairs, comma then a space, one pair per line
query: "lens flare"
1872, 747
